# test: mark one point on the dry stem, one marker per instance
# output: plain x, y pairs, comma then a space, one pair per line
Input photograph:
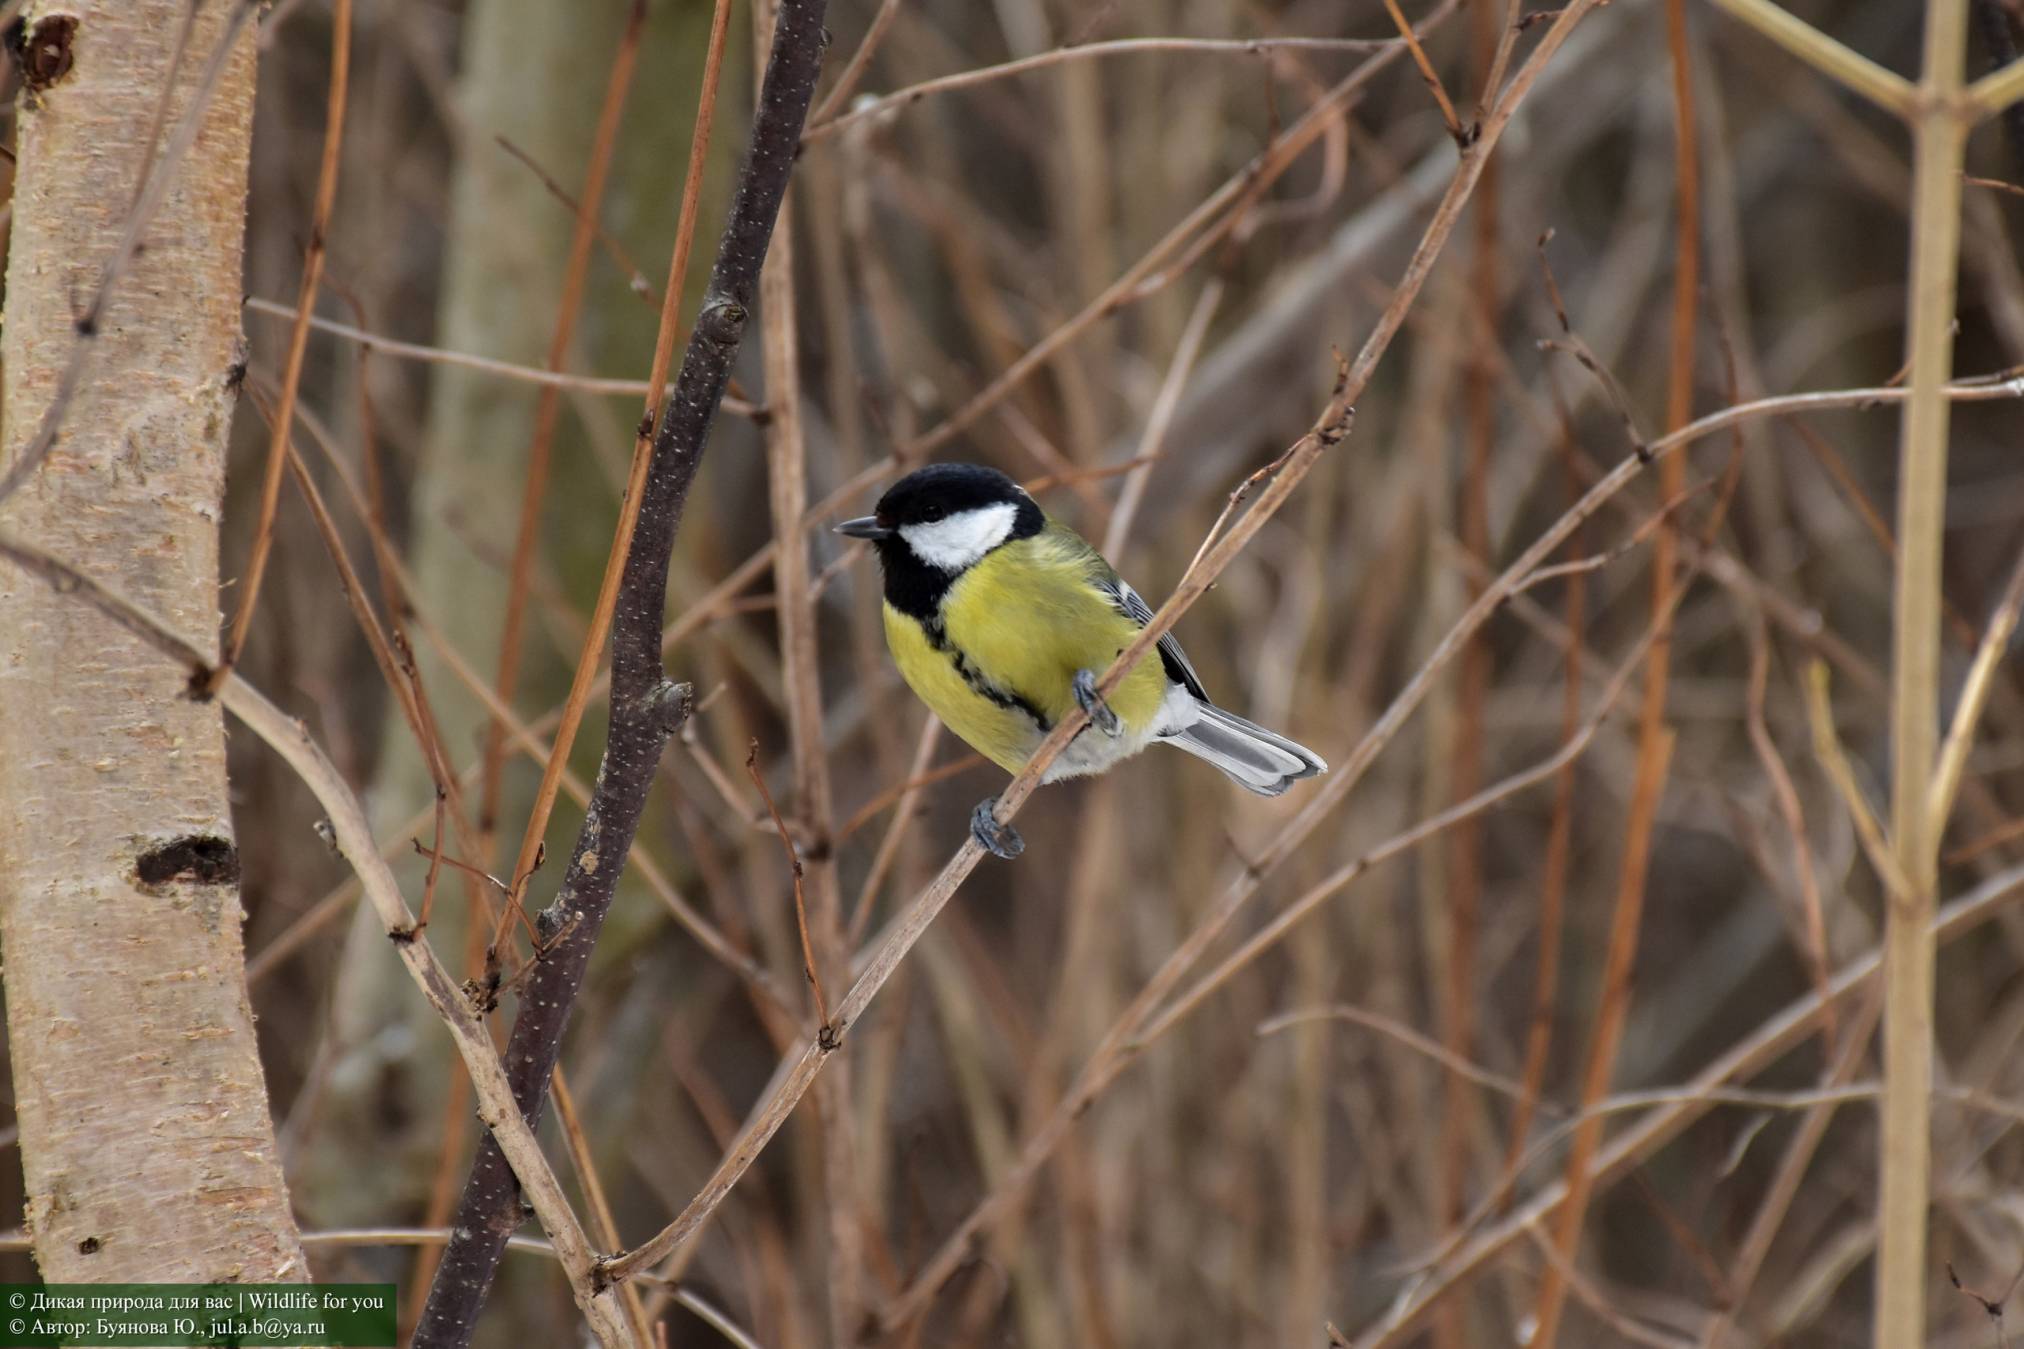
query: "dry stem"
1939, 137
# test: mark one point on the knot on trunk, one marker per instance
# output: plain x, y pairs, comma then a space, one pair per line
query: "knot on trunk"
42, 50
199, 859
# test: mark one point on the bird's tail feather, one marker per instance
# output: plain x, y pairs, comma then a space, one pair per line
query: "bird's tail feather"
1254, 758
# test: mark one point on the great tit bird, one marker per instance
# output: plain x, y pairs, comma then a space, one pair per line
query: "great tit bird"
1000, 619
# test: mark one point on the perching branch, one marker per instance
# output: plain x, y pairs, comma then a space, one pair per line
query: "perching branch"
799, 1068
646, 707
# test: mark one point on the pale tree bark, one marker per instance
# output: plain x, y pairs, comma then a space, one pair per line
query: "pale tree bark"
146, 1143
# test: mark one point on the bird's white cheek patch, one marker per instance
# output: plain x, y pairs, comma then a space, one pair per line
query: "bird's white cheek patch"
958, 541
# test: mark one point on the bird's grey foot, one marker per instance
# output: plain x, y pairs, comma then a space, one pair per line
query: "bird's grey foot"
1099, 711
1000, 840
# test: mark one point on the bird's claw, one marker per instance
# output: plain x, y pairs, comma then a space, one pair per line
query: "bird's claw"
1087, 698
1000, 840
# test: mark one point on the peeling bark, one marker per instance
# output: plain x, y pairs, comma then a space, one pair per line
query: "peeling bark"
146, 1143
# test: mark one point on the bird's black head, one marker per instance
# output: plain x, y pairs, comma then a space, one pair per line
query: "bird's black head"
936, 523
932, 494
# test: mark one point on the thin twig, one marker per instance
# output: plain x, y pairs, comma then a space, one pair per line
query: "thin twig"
1238, 495
1980, 844
1992, 1307
1656, 523
1553, 874
1573, 346
1824, 454
547, 411
1996, 91
1974, 697
1405, 1035
927, 777
341, 1238
1500, 60
395, 663
1786, 796
313, 253
577, 1140
1456, 131
636, 279
853, 69
1827, 748
823, 126
1609, 1021
889, 845
1563, 1271
1778, 1195
808, 966
1138, 469
1995, 184
380, 344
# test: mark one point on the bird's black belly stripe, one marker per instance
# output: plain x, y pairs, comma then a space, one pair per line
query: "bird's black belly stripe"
938, 638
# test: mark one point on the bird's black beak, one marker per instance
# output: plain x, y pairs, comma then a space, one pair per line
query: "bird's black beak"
864, 527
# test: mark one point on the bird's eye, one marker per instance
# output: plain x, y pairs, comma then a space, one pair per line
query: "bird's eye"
932, 514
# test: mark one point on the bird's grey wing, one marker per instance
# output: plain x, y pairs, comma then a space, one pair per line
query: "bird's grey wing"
1132, 606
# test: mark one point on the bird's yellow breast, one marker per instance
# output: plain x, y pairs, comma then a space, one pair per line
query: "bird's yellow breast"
1013, 630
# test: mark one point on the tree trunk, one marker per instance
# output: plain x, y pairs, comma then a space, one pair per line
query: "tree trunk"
146, 1144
